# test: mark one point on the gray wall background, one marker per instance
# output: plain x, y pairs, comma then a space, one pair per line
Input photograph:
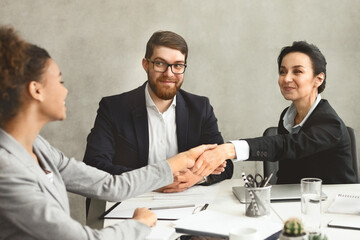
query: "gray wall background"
232, 60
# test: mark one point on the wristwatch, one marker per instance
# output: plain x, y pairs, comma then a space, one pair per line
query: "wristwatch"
203, 181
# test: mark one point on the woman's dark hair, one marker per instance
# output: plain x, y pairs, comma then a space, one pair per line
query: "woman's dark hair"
317, 58
167, 39
20, 63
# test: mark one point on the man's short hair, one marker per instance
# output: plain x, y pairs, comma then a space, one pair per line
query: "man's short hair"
166, 39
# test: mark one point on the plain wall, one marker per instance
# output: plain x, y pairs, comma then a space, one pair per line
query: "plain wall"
233, 47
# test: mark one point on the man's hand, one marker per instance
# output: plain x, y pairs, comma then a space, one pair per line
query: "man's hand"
182, 181
211, 159
145, 216
173, 185
220, 168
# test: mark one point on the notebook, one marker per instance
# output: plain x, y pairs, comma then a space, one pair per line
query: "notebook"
349, 204
345, 223
279, 192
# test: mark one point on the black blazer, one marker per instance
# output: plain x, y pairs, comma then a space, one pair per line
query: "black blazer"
320, 149
119, 140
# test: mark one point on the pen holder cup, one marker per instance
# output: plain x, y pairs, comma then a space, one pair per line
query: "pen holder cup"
257, 201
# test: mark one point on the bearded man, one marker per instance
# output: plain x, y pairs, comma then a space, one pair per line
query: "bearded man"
157, 120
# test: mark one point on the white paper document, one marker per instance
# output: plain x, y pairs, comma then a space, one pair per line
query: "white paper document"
198, 194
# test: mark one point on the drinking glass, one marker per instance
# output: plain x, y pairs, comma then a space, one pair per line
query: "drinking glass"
311, 204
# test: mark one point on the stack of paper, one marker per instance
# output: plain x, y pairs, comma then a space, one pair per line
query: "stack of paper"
160, 233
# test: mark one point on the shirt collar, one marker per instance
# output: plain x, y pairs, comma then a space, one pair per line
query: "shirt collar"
150, 103
291, 114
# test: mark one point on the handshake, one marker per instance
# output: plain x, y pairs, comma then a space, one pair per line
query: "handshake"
190, 167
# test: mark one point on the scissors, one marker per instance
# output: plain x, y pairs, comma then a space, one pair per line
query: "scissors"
256, 181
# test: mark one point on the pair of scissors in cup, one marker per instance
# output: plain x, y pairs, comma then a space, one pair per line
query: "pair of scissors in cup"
256, 181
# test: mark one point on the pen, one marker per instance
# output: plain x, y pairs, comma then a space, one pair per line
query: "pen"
170, 207
267, 180
255, 207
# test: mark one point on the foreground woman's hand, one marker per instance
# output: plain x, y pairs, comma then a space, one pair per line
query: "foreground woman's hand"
145, 216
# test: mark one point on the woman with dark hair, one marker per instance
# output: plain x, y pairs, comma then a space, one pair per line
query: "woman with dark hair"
34, 176
312, 139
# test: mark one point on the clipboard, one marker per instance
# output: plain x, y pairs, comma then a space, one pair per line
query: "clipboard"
170, 212
102, 216
216, 224
274, 236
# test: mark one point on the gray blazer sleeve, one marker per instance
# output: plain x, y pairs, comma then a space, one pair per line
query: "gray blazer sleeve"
28, 210
90, 182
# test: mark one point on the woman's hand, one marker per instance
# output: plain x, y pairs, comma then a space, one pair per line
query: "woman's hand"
187, 159
213, 159
145, 216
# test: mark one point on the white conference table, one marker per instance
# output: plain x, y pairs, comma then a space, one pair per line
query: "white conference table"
226, 202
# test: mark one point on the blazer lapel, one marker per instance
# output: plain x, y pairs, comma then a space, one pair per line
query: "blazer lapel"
11, 145
139, 117
56, 188
182, 121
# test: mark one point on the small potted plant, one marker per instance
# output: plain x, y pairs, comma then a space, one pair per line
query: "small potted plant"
317, 237
293, 230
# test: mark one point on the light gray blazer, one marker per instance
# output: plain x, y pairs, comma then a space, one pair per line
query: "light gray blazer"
33, 207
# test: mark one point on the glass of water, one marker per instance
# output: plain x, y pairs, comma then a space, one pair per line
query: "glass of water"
311, 204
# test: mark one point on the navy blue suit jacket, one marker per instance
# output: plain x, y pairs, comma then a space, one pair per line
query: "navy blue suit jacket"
119, 140
320, 149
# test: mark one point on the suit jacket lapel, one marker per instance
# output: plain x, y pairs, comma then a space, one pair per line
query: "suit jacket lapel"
56, 188
182, 121
139, 116
9, 143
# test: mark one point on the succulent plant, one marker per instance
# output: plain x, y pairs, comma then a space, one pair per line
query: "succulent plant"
317, 237
293, 227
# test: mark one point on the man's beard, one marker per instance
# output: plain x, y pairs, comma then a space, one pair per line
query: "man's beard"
164, 93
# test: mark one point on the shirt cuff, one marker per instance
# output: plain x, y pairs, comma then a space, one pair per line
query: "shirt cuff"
242, 150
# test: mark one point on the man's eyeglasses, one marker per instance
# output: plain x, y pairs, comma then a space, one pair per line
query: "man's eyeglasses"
162, 67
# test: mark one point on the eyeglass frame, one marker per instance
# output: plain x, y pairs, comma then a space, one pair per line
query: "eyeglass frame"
167, 66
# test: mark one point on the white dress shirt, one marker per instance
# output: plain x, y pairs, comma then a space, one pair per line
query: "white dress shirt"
162, 130
242, 148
